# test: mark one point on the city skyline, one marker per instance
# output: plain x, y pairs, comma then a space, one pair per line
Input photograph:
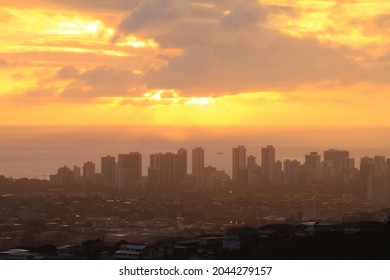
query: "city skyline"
197, 129
219, 156
171, 170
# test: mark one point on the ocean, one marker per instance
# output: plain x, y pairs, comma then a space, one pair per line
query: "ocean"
37, 152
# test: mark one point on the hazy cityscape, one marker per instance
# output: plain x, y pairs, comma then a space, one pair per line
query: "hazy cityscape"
197, 129
184, 208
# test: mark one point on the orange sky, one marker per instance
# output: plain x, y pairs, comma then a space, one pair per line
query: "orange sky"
172, 62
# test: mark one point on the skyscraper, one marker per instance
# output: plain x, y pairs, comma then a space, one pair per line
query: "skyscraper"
251, 162
198, 168
108, 171
162, 170
77, 174
181, 166
239, 170
88, 172
313, 166
131, 161
367, 168
268, 163
167, 164
197, 161
154, 171
129, 169
291, 170
335, 159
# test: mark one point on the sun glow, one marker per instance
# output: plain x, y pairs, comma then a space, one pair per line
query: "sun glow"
199, 101
134, 42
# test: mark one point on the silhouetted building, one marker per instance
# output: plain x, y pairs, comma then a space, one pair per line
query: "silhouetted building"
291, 172
278, 173
181, 166
167, 165
214, 178
198, 166
367, 169
77, 179
64, 177
268, 163
251, 162
388, 166
380, 165
88, 172
335, 160
254, 172
131, 161
313, 166
129, 170
239, 166
379, 188
162, 169
337, 166
108, 171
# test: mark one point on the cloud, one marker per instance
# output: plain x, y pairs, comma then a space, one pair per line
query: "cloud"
153, 13
102, 81
68, 72
236, 51
246, 16
96, 5
3, 63
379, 24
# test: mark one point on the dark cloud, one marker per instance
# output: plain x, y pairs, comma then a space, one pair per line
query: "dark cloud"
283, 64
68, 72
246, 16
377, 25
3, 63
153, 13
235, 51
102, 81
383, 22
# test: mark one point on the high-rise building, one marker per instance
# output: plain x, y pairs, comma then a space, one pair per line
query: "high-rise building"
197, 161
251, 162
380, 165
167, 166
162, 170
77, 174
378, 188
367, 169
239, 166
64, 176
108, 171
129, 170
336, 166
335, 159
181, 166
291, 172
131, 161
88, 172
268, 163
154, 171
198, 168
388, 166
313, 166
278, 173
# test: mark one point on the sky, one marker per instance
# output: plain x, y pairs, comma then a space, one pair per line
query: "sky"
195, 63
83, 79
